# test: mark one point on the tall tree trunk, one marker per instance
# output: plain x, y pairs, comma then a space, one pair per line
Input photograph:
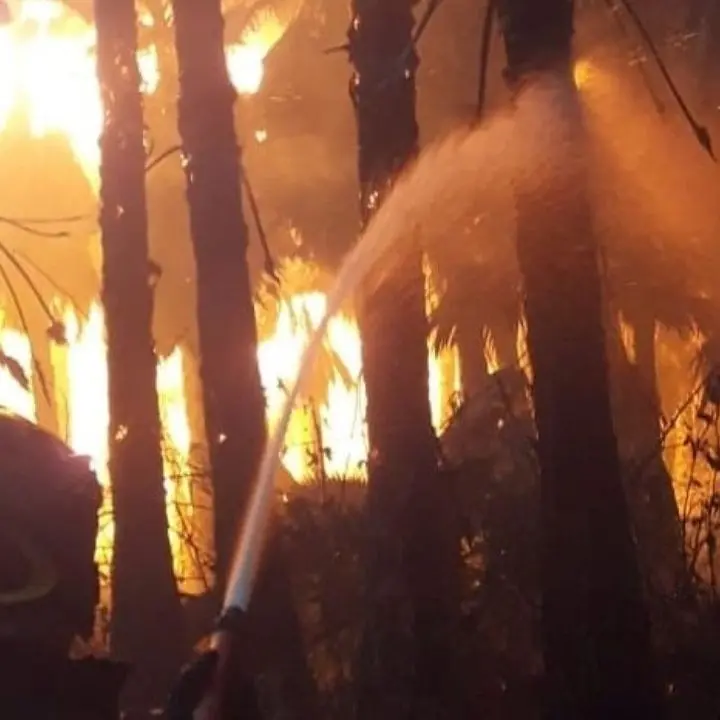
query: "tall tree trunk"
405, 665
232, 394
595, 629
650, 490
144, 588
648, 485
233, 398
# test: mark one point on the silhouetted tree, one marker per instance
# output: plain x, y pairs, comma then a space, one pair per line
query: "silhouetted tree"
233, 396
595, 629
144, 588
405, 665
233, 399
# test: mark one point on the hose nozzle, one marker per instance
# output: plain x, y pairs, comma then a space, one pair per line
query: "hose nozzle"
231, 620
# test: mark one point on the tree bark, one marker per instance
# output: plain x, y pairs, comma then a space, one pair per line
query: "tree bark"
406, 668
648, 485
233, 398
143, 583
596, 635
650, 491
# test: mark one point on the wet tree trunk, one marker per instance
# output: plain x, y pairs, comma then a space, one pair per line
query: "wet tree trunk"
406, 668
596, 637
144, 586
233, 398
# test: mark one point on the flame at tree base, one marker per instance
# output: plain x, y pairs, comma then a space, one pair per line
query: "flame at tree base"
84, 408
327, 435
48, 86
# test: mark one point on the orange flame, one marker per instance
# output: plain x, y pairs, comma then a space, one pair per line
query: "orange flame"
48, 73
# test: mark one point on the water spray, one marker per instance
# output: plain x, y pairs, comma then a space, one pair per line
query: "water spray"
357, 264
201, 689
442, 189
439, 193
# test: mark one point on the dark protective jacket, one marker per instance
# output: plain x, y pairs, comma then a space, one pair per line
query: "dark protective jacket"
49, 502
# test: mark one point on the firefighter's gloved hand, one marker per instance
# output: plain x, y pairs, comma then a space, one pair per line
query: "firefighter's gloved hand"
193, 685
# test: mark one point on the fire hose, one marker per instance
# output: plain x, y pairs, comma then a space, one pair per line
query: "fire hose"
216, 685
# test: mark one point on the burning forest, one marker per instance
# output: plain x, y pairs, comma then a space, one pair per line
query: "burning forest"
364, 356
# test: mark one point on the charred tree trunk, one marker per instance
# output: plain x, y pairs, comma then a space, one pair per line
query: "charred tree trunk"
233, 398
596, 635
406, 668
143, 583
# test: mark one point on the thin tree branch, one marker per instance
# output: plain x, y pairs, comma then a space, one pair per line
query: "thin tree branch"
659, 105
154, 162
33, 287
32, 231
46, 276
270, 267
49, 221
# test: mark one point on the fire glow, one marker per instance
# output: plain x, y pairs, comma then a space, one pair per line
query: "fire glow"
49, 79
330, 431
47, 56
